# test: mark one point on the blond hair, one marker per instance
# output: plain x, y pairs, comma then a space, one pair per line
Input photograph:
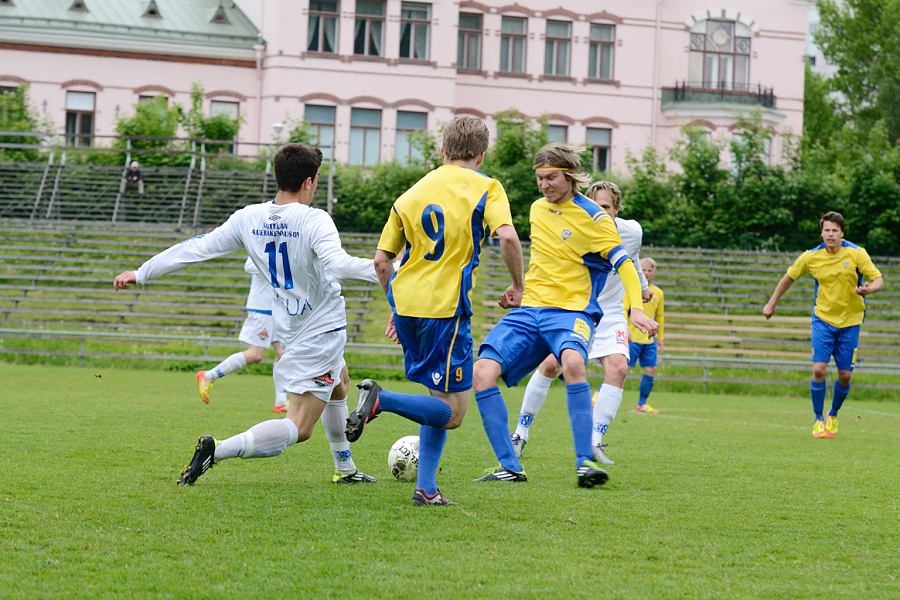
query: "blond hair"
464, 138
648, 260
563, 156
614, 192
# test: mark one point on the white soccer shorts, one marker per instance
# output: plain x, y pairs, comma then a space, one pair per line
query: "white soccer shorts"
610, 337
258, 330
312, 365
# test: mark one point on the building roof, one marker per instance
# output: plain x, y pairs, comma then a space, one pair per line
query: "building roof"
204, 28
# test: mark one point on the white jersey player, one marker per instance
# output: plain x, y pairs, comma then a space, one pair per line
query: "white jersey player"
298, 250
258, 332
609, 344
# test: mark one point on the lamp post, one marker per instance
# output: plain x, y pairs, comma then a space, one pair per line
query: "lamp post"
278, 128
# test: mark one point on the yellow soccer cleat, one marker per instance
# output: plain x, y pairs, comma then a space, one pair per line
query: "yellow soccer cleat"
818, 429
830, 426
645, 408
203, 386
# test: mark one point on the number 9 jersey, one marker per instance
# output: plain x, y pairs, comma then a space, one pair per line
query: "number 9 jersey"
440, 222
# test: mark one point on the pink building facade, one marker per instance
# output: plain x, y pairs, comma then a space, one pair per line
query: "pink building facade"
614, 76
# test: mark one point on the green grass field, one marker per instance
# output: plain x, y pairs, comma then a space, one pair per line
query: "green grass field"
716, 497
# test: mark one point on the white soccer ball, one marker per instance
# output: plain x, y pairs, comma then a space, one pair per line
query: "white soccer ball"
403, 458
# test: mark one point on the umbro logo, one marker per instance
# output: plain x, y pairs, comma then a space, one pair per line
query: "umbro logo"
436, 378
274, 217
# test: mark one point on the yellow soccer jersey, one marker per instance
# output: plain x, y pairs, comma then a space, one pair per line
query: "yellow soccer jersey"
441, 222
574, 245
837, 275
655, 309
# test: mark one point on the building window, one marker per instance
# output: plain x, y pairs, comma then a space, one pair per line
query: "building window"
600, 60
408, 122
556, 49
80, 118
321, 125
512, 45
598, 140
323, 22
146, 98
222, 107
365, 136
720, 56
415, 25
368, 39
557, 133
468, 47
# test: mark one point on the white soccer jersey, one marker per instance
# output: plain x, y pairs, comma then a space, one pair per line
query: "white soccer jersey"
612, 295
297, 249
261, 295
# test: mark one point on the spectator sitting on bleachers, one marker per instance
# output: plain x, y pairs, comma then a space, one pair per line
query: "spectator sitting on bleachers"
134, 179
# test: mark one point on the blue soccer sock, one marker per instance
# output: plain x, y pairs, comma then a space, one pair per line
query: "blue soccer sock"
817, 393
431, 445
495, 417
578, 400
645, 388
840, 394
424, 410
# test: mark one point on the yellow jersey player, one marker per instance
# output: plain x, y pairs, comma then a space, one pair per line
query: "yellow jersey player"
440, 222
838, 267
643, 348
574, 246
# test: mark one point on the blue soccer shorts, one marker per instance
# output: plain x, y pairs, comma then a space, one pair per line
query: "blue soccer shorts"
841, 342
646, 353
437, 352
525, 336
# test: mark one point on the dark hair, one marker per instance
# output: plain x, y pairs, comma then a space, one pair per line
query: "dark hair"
294, 164
834, 217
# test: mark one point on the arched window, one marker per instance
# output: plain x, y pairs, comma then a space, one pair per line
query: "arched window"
720, 55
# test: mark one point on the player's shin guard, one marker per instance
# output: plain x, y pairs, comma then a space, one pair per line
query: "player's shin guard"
817, 393
422, 409
334, 420
840, 394
268, 438
609, 398
229, 365
578, 400
532, 402
431, 445
495, 418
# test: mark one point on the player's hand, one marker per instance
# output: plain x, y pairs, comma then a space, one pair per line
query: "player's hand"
660, 347
391, 330
647, 295
769, 310
862, 290
123, 280
511, 298
643, 322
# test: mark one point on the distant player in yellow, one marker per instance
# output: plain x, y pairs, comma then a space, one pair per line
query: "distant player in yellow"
574, 247
838, 267
643, 347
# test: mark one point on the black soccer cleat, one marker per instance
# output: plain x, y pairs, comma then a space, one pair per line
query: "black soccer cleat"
354, 477
201, 461
420, 498
502, 474
590, 474
366, 409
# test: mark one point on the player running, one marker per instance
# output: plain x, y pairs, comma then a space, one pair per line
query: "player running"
299, 250
609, 345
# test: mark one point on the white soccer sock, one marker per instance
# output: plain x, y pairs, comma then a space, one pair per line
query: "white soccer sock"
532, 401
334, 419
608, 400
229, 365
281, 396
268, 438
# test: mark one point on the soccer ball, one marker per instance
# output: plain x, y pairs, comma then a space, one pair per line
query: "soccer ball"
403, 458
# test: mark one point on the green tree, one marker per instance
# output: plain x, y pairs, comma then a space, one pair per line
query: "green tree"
862, 38
151, 129
17, 114
217, 127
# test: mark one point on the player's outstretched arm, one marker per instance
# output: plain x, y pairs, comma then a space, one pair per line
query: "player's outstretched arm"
783, 285
511, 252
123, 280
